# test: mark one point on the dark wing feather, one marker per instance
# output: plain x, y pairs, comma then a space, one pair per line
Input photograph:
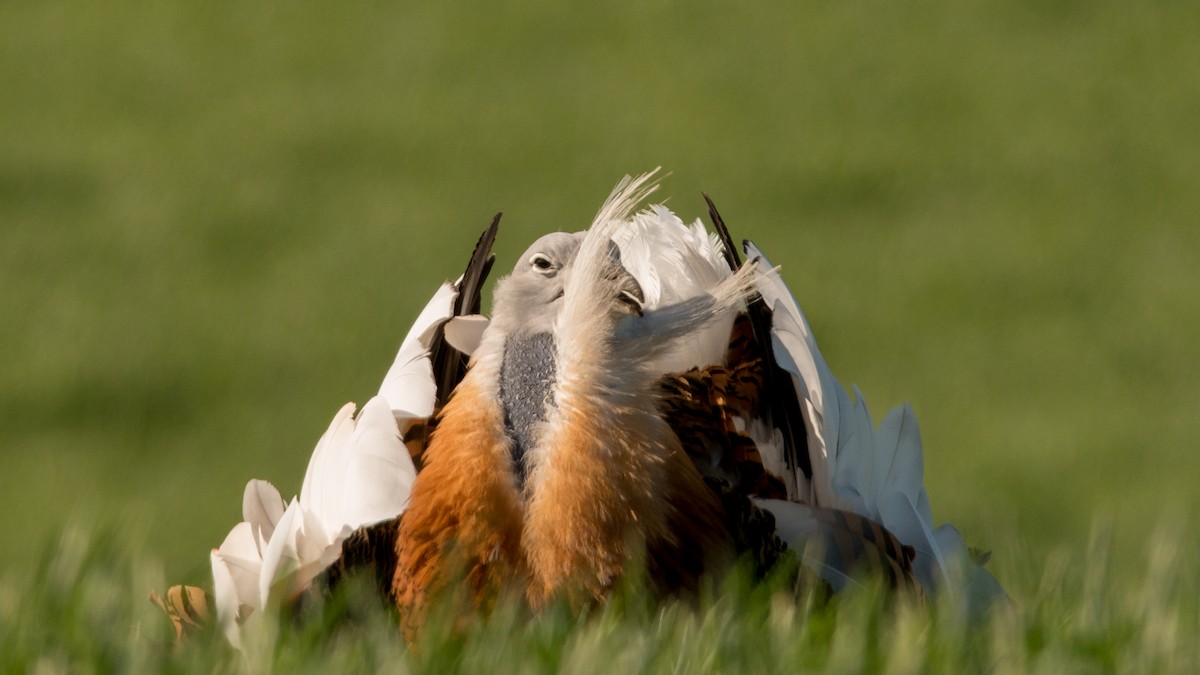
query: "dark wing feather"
449, 364
731, 255
471, 287
700, 406
780, 405
861, 543
369, 550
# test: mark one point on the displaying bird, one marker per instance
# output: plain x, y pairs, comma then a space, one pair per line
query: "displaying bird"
552, 467
640, 399
619, 409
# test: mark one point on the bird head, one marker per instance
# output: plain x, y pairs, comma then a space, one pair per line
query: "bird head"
528, 300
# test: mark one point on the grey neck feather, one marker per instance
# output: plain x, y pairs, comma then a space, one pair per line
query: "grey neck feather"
526, 376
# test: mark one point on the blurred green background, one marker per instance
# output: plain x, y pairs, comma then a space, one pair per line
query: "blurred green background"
217, 220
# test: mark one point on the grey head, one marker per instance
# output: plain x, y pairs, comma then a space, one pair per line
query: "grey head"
527, 301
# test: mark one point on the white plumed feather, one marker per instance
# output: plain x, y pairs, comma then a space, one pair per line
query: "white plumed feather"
875, 473
262, 507
464, 333
380, 473
242, 558
408, 386
324, 488
227, 598
796, 351
359, 474
674, 262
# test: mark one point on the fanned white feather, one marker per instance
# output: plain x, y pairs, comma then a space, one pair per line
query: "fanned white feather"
980, 590
875, 473
796, 352
227, 598
380, 473
323, 491
464, 333
236, 566
262, 507
360, 473
674, 262
408, 386
665, 336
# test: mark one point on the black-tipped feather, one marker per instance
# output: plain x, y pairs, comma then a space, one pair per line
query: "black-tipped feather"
449, 364
782, 405
470, 289
731, 254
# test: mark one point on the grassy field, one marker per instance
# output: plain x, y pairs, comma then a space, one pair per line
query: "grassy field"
83, 612
218, 219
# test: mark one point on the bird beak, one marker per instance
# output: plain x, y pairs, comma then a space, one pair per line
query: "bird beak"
629, 294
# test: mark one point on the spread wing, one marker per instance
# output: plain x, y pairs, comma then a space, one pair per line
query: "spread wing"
706, 407
772, 423
761, 443
780, 409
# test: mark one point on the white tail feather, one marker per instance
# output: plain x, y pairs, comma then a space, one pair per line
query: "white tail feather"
674, 262
380, 472
360, 473
408, 386
875, 473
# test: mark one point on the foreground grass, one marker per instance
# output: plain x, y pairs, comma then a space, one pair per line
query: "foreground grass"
84, 609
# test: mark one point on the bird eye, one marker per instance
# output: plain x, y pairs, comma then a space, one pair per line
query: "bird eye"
541, 262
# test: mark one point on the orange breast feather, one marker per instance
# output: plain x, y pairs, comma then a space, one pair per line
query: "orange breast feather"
464, 517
